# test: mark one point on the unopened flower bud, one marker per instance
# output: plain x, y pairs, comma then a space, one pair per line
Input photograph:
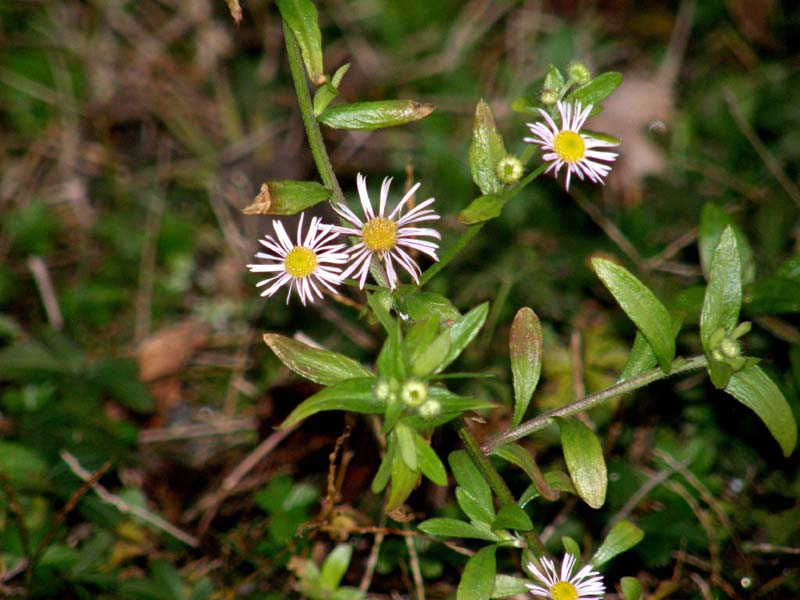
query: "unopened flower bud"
414, 393
548, 97
382, 390
579, 73
730, 348
430, 409
509, 169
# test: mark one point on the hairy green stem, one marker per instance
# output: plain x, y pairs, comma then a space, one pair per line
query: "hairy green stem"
313, 132
494, 479
625, 387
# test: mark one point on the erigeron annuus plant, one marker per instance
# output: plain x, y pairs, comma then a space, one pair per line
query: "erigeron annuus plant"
425, 333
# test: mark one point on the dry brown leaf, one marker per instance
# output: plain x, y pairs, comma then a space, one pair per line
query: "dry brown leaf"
167, 351
261, 203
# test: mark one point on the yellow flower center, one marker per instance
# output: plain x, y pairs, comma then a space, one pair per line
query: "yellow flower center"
563, 590
300, 262
569, 146
379, 234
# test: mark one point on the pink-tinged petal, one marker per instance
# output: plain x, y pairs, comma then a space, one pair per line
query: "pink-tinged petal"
387, 181
363, 195
282, 236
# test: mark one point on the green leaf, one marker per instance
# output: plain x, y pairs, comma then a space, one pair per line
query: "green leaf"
641, 357
354, 395
483, 208
585, 461
287, 197
455, 528
23, 466
597, 90
470, 478
339, 75
473, 508
642, 307
429, 462
320, 366
335, 566
558, 482
301, 17
554, 80
404, 480
120, 377
511, 516
421, 306
754, 388
524, 107
713, 221
375, 115
623, 536
381, 303
486, 150
452, 406
519, 456
571, 546
463, 331
167, 580
506, 585
24, 360
407, 445
392, 360
477, 580
324, 95
432, 356
723, 297
525, 350
631, 588
381, 478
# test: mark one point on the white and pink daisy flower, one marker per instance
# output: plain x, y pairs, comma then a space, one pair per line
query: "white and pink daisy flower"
305, 265
387, 238
568, 146
586, 584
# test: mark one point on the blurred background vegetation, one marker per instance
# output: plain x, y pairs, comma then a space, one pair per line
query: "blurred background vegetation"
134, 386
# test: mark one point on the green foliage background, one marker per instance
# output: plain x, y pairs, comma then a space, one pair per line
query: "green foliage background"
131, 135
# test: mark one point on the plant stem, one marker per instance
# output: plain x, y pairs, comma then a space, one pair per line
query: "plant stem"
494, 479
313, 132
625, 387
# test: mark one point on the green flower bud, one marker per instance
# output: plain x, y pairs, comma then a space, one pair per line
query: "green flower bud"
382, 390
579, 73
509, 169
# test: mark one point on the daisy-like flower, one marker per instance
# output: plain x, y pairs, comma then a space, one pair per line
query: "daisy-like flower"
566, 145
305, 265
385, 237
586, 584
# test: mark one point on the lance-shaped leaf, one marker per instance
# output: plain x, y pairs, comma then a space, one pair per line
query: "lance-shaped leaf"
301, 17
403, 482
642, 307
525, 351
429, 462
320, 366
473, 508
623, 536
329, 90
463, 332
334, 567
779, 293
354, 395
631, 588
374, 115
384, 472
597, 90
585, 461
486, 150
642, 357
470, 479
483, 208
477, 580
511, 516
506, 585
713, 221
287, 197
421, 306
442, 527
754, 388
392, 360
406, 445
723, 297
519, 456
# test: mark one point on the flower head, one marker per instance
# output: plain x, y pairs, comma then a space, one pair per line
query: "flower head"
306, 265
586, 584
568, 146
385, 236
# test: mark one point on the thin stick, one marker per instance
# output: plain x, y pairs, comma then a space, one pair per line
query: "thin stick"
419, 585
374, 552
770, 161
45, 284
124, 507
